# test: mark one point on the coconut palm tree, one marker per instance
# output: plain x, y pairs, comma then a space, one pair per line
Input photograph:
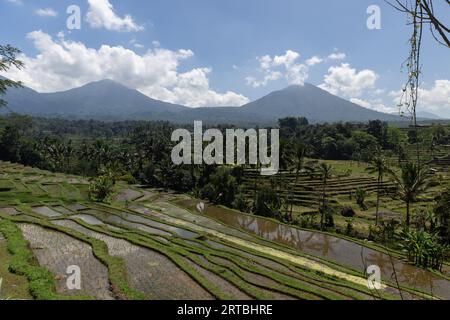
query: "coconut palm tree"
67, 151
412, 181
299, 153
325, 172
379, 166
286, 161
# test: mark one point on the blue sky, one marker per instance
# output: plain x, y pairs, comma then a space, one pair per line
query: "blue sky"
211, 52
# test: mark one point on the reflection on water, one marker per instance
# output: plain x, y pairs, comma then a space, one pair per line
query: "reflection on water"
342, 251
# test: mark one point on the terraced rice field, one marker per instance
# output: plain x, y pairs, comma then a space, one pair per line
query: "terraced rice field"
438, 157
148, 244
307, 192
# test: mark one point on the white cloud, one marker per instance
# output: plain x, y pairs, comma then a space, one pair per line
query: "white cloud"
136, 44
101, 15
346, 81
337, 56
287, 60
46, 12
376, 105
314, 60
271, 76
297, 74
193, 86
288, 66
277, 67
265, 62
436, 99
62, 64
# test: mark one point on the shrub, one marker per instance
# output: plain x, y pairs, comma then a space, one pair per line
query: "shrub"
128, 178
101, 188
222, 187
442, 212
361, 198
268, 203
348, 212
329, 219
350, 229
240, 202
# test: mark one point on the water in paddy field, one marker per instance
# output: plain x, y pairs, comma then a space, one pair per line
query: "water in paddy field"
344, 252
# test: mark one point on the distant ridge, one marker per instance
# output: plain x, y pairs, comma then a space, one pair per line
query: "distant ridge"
110, 101
428, 115
101, 100
315, 104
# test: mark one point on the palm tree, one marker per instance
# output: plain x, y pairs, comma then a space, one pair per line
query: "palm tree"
300, 150
286, 160
325, 172
412, 181
68, 151
380, 167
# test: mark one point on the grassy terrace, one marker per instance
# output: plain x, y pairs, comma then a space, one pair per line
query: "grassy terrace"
147, 245
348, 177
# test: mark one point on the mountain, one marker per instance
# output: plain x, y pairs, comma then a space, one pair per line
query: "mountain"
25, 100
428, 115
110, 101
102, 100
315, 104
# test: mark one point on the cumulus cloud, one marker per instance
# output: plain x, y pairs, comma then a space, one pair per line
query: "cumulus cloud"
136, 44
63, 64
46, 12
270, 76
436, 99
193, 86
277, 67
286, 60
314, 60
337, 56
346, 81
101, 15
376, 105
287, 66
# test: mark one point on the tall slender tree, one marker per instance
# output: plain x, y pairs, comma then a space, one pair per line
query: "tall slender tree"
420, 13
379, 166
412, 181
325, 172
300, 150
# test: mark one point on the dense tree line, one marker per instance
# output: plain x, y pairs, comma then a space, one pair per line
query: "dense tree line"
141, 151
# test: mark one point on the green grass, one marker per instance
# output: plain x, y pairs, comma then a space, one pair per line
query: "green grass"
115, 265
13, 286
23, 262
